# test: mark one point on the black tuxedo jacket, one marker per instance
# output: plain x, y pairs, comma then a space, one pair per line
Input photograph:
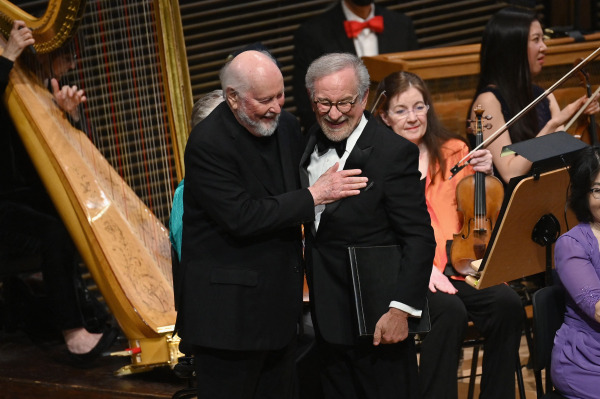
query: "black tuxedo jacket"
391, 211
325, 34
241, 265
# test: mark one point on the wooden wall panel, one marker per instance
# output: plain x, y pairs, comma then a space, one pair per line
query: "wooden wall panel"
214, 29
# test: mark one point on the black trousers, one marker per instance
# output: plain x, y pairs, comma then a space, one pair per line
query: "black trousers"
25, 229
227, 374
365, 371
497, 313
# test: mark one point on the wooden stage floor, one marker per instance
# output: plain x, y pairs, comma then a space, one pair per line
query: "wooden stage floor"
40, 369
31, 369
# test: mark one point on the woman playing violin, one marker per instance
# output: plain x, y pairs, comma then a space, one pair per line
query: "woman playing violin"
512, 52
495, 311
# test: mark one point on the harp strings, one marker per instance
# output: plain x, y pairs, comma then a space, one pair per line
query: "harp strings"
126, 94
125, 117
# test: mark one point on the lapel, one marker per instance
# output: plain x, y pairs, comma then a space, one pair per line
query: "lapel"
252, 159
364, 146
356, 160
288, 169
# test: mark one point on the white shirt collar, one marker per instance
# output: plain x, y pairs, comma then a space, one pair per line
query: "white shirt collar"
355, 135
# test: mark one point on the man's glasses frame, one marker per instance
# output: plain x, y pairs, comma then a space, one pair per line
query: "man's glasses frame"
344, 106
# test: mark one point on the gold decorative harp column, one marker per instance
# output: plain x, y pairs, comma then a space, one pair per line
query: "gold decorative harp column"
113, 181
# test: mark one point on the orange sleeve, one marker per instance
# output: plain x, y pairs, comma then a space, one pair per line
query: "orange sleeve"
440, 194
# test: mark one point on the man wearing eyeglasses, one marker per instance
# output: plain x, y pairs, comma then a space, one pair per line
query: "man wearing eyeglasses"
390, 210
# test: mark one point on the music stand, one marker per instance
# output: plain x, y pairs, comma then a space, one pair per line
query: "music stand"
533, 214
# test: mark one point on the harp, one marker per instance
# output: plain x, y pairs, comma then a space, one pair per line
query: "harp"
112, 182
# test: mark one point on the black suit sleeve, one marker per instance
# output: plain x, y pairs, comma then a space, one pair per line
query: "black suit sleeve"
406, 207
222, 185
5, 68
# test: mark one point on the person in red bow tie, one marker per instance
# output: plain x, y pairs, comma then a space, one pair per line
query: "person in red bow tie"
353, 26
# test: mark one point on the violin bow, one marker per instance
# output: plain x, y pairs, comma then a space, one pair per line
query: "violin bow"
376, 105
583, 107
460, 165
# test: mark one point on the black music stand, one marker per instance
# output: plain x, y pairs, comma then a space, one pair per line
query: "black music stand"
533, 214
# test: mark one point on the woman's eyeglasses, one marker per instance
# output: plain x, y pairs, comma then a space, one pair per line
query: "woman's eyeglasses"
402, 113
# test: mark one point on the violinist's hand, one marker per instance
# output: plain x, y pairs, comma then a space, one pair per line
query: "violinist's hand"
593, 108
20, 37
391, 328
567, 112
560, 116
438, 281
68, 98
481, 161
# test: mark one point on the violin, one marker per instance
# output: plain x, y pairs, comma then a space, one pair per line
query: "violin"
479, 198
587, 130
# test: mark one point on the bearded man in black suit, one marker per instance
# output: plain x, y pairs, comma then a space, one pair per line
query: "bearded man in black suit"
391, 210
240, 284
385, 32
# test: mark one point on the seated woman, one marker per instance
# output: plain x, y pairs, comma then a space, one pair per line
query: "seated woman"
495, 311
576, 354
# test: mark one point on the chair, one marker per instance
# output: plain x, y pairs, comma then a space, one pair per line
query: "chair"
548, 314
473, 339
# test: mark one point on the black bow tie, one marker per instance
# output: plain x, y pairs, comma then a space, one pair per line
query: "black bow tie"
324, 144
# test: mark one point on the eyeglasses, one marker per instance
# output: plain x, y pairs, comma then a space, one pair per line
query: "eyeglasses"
402, 113
344, 106
595, 193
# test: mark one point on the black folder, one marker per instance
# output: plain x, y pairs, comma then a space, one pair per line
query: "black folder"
375, 272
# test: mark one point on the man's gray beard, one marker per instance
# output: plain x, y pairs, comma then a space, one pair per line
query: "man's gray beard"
334, 135
261, 129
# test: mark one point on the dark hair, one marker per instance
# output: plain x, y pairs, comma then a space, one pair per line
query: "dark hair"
504, 64
436, 135
583, 173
